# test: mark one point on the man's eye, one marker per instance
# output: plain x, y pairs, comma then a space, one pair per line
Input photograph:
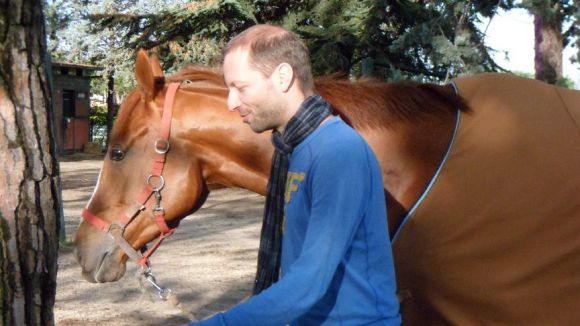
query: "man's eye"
117, 154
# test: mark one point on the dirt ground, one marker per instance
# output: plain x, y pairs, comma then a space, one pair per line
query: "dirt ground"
209, 263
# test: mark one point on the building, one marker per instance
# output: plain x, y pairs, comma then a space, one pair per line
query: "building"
71, 90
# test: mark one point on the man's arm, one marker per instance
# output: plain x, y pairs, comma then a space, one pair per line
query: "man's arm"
338, 187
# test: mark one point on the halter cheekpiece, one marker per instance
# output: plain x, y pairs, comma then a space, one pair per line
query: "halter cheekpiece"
154, 183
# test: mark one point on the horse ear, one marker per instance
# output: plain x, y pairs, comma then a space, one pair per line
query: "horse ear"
144, 73
156, 65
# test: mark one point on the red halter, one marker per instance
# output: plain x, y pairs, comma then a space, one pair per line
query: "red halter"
161, 147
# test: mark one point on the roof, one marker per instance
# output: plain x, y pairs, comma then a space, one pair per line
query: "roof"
75, 65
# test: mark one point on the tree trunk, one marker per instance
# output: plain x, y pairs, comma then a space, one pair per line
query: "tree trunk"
548, 47
29, 176
111, 108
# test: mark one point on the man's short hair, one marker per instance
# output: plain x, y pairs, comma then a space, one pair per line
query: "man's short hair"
271, 45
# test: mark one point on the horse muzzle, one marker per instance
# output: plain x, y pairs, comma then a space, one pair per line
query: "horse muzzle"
101, 261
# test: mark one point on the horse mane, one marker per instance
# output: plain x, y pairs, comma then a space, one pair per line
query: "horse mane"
371, 103
195, 73
366, 103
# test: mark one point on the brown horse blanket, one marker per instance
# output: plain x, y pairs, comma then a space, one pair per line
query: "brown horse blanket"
495, 240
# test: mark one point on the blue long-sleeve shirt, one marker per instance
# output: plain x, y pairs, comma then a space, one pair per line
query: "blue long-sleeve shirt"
337, 266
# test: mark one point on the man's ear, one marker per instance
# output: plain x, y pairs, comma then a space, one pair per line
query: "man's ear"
285, 76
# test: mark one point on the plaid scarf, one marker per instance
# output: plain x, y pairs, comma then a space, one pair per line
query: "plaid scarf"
309, 116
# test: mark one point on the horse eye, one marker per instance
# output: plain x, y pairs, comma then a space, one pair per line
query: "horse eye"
117, 154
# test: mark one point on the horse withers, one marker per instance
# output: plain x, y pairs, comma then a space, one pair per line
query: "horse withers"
482, 190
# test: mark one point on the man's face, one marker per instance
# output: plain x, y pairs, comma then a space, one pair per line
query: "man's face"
252, 93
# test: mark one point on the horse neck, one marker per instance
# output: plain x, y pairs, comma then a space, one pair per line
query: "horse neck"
409, 155
408, 126
241, 162
228, 152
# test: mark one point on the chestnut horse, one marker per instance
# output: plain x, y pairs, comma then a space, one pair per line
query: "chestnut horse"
484, 217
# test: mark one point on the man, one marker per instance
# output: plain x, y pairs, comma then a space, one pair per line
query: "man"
325, 256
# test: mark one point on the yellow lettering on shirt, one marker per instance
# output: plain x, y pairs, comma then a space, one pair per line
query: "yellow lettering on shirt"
292, 182
283, 224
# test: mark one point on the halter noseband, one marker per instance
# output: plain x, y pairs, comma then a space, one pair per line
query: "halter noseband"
161, 147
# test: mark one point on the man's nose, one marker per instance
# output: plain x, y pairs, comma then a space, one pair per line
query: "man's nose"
233, 101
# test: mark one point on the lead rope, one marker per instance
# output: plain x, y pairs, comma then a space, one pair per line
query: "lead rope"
147, 280
149, 284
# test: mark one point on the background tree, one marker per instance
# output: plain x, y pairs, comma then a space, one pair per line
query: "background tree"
429, 40
425, 40
550, 38
29, 170
74, 38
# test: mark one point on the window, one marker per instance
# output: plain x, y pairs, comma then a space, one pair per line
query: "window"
79, 72
68, 103
64, 71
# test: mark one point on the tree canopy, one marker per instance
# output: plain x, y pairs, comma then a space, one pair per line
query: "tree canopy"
389, 39
403, 39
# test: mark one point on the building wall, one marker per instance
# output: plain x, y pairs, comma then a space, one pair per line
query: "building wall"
72, 133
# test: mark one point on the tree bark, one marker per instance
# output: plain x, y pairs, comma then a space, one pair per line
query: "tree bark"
29, 205
548, 47
111, 108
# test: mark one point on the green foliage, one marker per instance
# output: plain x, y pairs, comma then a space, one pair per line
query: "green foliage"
399, 39
403, 39
98, 119
98, 115
524, 74
565, 82
74, 37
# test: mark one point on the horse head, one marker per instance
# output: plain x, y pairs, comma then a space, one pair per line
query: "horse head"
132, 192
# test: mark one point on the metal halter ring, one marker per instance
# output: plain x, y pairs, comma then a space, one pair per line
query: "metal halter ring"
162, 181
115, 225
164, 148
